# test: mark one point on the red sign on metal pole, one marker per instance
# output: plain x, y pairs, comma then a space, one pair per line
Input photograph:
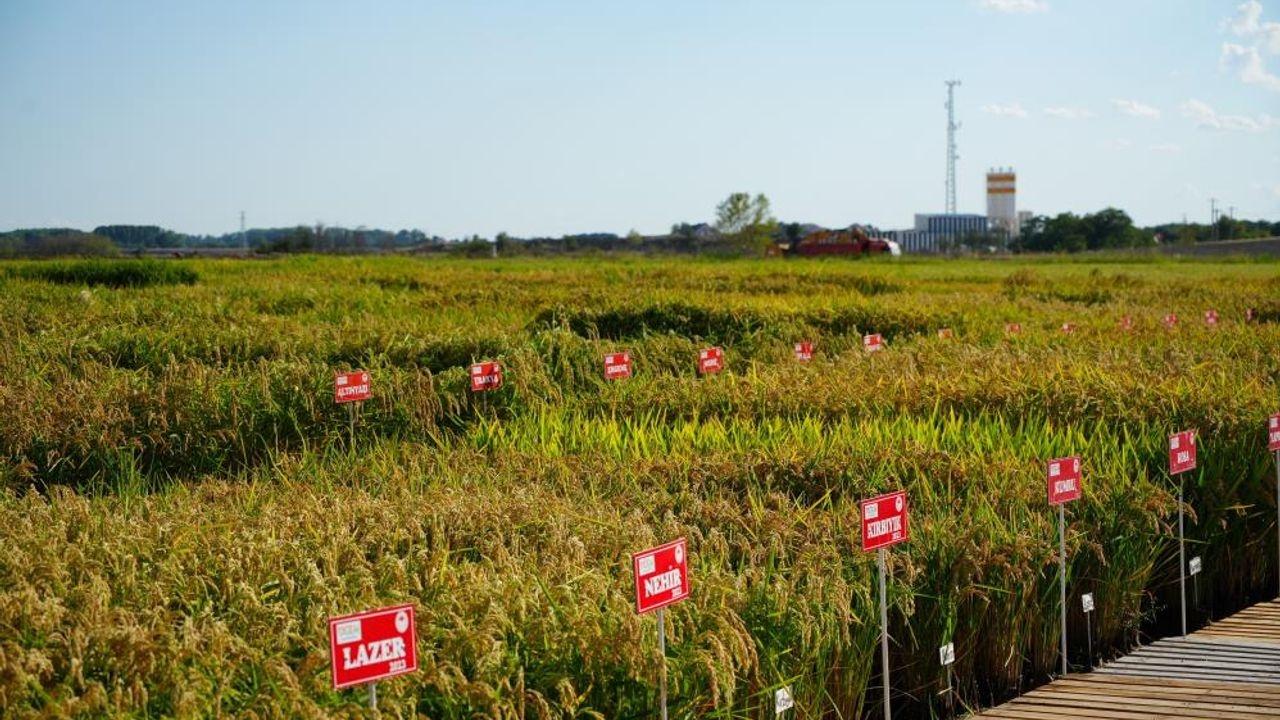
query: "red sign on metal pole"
710, 361
351, 387
373, 645
1170, 320
617, 366
1063, 476
872, 342
1210, 317
486, 376
1182, 452
884, 520
1273, 433
662, 576
804, 351
1012, 328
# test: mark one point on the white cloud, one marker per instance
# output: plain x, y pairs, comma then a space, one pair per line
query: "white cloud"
1016, 7
1248, 62
1248, 23
1203, 115
1069, 113
1136, 109
1013, 109
1166, 148
1118, 144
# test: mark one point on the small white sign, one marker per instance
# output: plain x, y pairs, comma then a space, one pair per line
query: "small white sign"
1086, 601
947, 654
1193, 565
782, 701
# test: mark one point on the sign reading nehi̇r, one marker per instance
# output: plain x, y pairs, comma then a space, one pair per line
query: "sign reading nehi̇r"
372, 645
662, 576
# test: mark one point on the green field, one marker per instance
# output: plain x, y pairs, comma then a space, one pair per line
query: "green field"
183, 507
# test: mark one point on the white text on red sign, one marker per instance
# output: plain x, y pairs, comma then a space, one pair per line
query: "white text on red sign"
351, 387
1273, 433
661, 575
486, 376
884, 521
872, 342
710, 360
1182, 452
1063, 476
804, 351
372, 645
617, 366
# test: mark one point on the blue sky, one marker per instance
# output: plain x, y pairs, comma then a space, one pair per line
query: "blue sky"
558, 117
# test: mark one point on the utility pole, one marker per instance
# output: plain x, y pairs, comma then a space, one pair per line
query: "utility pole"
952, 154
244, 241
1213, 217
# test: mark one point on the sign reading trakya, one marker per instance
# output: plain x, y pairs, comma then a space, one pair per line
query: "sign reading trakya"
662, 576
884, 521
804, 351
872, 342
617, 366
372, 645
1273, 433
1182, 452
351, 387
486, 376
1064, 480
710, 360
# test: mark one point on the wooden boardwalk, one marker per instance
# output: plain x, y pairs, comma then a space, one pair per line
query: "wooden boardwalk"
1229, 671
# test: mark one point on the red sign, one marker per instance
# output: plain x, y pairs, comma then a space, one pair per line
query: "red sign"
872, 342
1013, 328
662, 576
804, 351
1210, 317
1068, 328
1273, 433
486, 376
1182, 452
710, 361
1169, 320
1063, 477
372, 645
351, 387
884, 520
1126, 322
945, 333
617, 366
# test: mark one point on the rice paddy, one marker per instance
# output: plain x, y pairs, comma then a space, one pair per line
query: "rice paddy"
184, 505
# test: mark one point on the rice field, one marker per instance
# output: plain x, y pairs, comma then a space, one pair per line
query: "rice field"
183, 505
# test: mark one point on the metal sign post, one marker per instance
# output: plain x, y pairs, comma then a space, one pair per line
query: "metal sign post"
1182, 560
1278, 513
947, 656
662, 650
1062, 576
1182, 458
373, 696
884, 523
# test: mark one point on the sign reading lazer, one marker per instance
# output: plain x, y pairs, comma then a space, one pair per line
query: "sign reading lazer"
1063, 477
351, 387
372, 645
662, 575
884, 521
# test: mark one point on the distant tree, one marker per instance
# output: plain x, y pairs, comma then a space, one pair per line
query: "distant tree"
746, 222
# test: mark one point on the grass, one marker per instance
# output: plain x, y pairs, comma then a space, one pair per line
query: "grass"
183, 509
